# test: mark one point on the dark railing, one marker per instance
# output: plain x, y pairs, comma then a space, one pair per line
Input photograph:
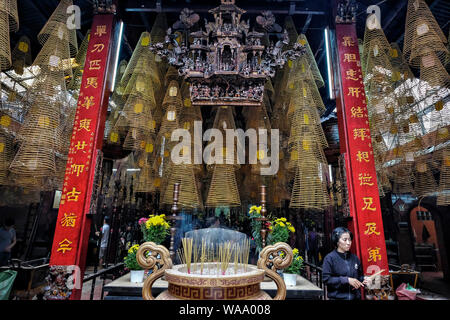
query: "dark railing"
313, 274
114, 272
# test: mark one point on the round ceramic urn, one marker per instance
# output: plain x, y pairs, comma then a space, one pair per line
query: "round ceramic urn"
210, 284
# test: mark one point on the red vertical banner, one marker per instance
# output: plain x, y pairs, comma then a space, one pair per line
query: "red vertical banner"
72, 226
361, 173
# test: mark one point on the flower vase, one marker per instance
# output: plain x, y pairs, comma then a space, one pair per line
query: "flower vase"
137, 276
290, 279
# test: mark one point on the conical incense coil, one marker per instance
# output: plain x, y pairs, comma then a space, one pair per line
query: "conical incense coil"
424, 181
80, 59
269, 90
309, 189
291, 30
28, 182
191, 114
145, 179
403, 177
224, 120
189, 196
305, 94
137, 139
41, 125
9, 22
142, 61
375, 43
169, 122
443, 198
171, 75
401, 70
159, 28
56, 27
433, 72
141, 85
119, 86
223, 190
6, 156
384, 183
34, 160
5, 47
304, 150
54, 58
250, 187
9, 7
21, 55
158, 35
305, 124
137, 114
173, 96
305, 66
422, 33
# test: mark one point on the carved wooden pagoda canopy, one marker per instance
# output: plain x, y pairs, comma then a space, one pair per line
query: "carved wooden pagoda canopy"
226, 63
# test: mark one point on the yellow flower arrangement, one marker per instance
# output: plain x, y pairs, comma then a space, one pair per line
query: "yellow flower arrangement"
155, 228
130, 260
296, 264
254, 209
279, 230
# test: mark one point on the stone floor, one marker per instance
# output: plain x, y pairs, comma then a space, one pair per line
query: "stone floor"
433, 286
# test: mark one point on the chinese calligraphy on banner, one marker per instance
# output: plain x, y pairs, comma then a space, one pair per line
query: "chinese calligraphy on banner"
80, 167
362, 179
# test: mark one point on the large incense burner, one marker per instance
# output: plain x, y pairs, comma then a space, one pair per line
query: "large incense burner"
213, 280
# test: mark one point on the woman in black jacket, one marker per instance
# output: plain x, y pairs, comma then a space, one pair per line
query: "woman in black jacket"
342, 270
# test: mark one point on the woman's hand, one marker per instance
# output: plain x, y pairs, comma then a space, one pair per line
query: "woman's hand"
355, 283
366, 281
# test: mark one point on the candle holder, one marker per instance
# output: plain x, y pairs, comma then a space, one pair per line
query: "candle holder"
173, 219
263, 218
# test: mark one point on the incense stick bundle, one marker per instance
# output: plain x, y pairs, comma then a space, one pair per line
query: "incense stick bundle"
236, 257
225, 256
203, 255
187, 246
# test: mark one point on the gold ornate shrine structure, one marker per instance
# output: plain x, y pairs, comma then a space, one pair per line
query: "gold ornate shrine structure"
226, 63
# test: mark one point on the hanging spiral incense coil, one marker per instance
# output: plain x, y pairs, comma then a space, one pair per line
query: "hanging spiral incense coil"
142, 61
422, 33
259, 121
80, 59
34, 160
169, 122
403, 177
309, 189
9, 22
224, 120
140, 84
443, 198
305, 124
305, 67
56, 27
21, 55
223, 190
189, 196
305, 93
375, 44
137, 113
173, 96
400, 66
425, 183
6, 156
433, 72
145, 178
171, 75
54, 58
